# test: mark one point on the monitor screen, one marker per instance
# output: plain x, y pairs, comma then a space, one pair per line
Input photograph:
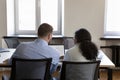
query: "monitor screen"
68, 42
59, 47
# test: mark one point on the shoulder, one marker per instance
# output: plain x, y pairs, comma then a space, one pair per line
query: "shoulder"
70, 52
23, 45
26, 43
73, 49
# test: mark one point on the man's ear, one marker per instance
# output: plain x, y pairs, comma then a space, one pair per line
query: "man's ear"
49, 36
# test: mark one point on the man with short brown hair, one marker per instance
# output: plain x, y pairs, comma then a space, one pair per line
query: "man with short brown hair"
39, 48
44, 29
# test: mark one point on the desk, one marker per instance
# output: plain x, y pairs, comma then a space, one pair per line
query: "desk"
5, 55
105, 61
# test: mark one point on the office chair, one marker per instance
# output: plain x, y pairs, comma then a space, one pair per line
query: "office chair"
11, 42
80, 70
30, 69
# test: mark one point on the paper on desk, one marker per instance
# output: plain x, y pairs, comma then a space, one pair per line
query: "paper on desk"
3, 50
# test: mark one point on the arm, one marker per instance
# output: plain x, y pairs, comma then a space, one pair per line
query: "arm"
16, 54
53, 68
67, 57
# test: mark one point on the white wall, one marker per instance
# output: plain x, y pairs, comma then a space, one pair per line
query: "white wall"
78, 13
87, 14
3, 21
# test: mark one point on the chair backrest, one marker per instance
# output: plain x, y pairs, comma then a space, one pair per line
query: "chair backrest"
80, 70
12, 42
68, 42
30, 69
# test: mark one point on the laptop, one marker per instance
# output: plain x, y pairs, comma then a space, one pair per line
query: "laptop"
59, 47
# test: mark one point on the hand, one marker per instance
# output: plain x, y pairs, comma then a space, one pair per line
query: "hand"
61, 57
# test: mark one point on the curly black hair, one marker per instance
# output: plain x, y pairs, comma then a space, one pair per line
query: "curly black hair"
88, 48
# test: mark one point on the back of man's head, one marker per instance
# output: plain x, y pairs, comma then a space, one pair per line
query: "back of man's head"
44, 29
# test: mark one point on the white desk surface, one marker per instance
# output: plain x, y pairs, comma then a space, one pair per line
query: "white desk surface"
105, 61
6, 55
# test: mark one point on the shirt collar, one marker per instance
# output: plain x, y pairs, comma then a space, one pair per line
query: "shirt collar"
41, 41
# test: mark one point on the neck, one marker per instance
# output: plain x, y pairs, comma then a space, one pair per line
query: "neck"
44, 38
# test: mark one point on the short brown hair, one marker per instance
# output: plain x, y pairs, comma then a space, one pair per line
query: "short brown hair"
44, 29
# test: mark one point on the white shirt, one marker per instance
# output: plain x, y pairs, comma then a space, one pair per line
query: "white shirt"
74, 54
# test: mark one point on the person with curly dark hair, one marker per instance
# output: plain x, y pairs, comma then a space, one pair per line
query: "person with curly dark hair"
84, 49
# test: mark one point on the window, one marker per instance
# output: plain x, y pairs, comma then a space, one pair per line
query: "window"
112, 18
29, 14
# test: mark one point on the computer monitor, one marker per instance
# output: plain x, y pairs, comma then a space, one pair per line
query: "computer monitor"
68, 42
